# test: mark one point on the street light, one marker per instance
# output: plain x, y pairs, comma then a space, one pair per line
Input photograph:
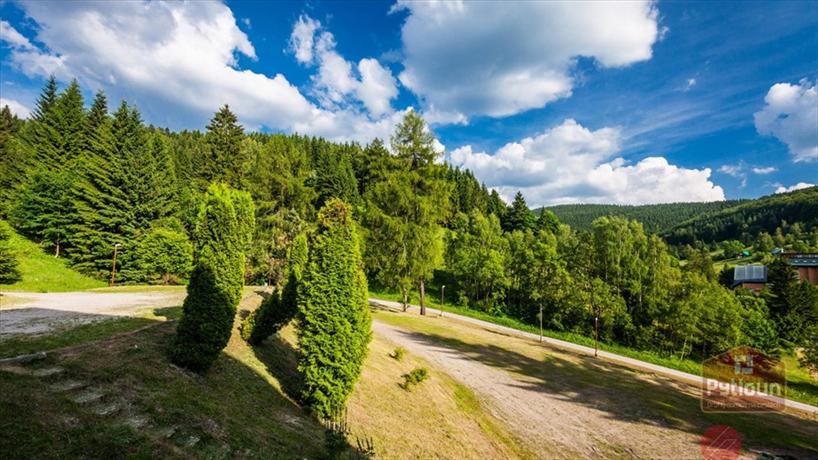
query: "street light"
442, 289
113, 265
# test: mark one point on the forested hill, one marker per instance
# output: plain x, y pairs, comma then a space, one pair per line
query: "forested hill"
656, 218
746, 220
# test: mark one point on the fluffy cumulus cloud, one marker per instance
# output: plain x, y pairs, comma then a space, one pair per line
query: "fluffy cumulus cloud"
16, 107
791, 114
339, 82
487, 58
792, 188
570, 163
186, 55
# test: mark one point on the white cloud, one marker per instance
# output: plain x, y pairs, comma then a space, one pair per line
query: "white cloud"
492, 58
186, 56
302, 38
730, 170
377, 86
340, 83
691, 82
791, 115
765, 170
16, 107
13, 38
570, 163
792, 188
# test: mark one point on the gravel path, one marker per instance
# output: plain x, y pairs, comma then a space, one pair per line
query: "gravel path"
37, 313
552, 425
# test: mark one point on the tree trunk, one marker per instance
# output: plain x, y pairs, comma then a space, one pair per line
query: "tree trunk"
405, 299
57, 251
422, 298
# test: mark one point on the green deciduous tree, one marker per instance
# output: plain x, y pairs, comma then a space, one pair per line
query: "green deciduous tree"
164, 255
334, 320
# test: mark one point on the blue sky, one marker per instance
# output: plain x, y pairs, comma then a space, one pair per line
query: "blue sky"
568, 102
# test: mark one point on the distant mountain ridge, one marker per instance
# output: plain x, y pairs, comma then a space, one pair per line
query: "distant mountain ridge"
747, 219
656, 218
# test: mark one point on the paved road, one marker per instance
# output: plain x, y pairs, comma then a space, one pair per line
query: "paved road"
612, 357
37, 313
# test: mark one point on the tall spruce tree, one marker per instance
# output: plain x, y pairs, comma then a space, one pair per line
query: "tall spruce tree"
225, 160
9, 271
46, 100
13, 158
518, 216
334, 320
215, 283
102, 211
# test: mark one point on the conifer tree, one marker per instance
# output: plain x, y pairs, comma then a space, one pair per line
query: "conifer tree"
46, 100
13, 158
405, 211
215, 286
9, 272
518, 216
279, 308
334, 320
102, 212
225, 160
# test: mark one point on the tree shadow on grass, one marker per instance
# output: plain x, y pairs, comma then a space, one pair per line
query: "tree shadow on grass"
281, 361
626, 395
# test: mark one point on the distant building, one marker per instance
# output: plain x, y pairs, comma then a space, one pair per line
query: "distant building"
806, 263
752, 277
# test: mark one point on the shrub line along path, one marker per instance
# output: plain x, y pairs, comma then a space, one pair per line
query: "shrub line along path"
632, 363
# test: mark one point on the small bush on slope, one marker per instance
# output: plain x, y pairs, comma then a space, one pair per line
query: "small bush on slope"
278, 310
334, 320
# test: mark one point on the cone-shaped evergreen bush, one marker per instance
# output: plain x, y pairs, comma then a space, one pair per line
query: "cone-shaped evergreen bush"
278, 310
216, 283
334, 320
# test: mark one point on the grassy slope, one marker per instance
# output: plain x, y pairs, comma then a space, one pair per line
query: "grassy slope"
622, 393
244, 407
42, 272
801, 387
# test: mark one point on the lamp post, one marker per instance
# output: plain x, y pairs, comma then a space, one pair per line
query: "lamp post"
113, 265
442, 289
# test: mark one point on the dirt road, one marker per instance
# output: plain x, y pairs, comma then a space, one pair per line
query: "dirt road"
37, 313
563, 405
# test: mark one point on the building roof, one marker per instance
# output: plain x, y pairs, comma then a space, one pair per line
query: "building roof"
802, 259
749, 274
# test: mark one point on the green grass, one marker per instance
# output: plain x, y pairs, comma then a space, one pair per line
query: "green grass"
43, 272
801, 387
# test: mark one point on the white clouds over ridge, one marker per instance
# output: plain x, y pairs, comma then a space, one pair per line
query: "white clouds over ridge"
570, 163
185, 54
499, 59
791, 115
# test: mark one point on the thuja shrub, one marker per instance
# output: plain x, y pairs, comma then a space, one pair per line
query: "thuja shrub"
278, 310
216, 282
334, 320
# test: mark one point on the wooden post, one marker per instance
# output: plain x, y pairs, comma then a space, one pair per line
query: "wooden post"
113, 266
